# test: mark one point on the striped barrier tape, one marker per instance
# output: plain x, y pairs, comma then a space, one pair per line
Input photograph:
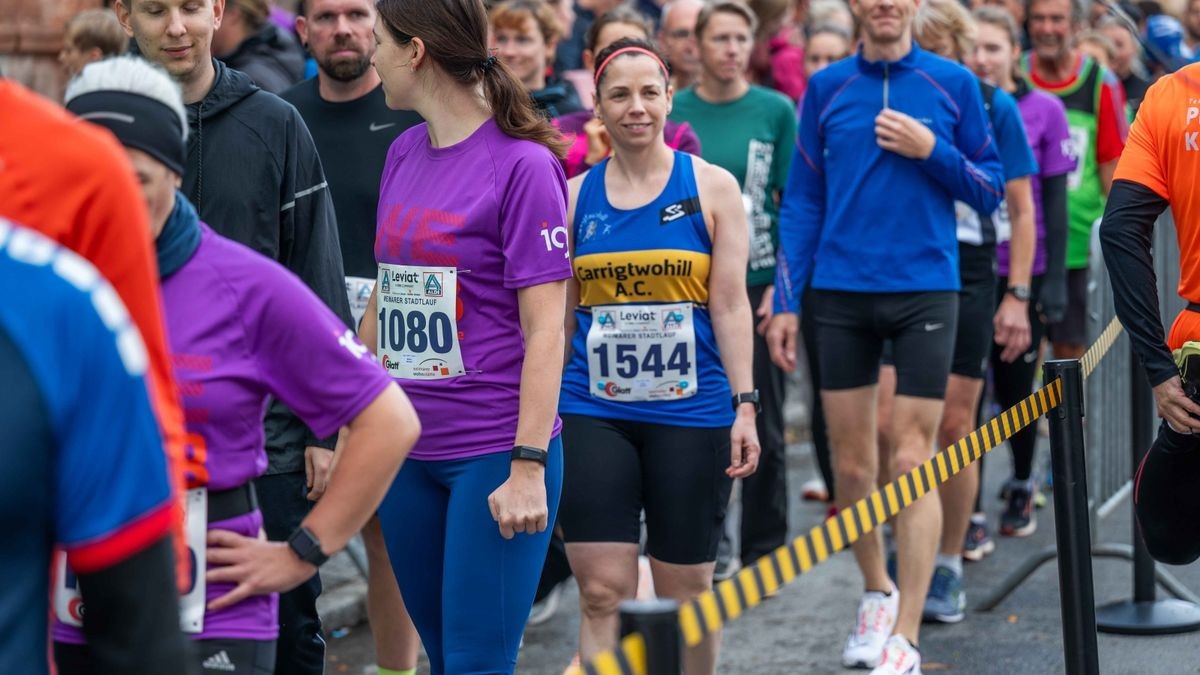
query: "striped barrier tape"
732, 597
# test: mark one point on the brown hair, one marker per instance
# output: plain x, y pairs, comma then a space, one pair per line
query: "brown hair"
735, 7
1000, 18
455, 37
633, 46
622, 14
1100, 40
513, 13
255, 11
97, 29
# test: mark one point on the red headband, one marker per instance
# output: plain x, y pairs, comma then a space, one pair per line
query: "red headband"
628, 50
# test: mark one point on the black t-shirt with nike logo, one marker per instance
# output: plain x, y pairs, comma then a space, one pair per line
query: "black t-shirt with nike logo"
353, 139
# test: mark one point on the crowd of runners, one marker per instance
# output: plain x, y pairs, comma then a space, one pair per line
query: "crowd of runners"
513, 290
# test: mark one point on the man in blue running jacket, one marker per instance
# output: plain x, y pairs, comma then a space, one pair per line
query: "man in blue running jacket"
888, 140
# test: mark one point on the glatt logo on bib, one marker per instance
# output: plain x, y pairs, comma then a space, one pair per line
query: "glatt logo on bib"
612, 389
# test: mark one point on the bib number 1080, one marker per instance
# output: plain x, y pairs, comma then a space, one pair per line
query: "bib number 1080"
416, 332
629, 364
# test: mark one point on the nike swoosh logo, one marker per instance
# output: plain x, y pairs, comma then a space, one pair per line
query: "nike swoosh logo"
381, 127
930, 327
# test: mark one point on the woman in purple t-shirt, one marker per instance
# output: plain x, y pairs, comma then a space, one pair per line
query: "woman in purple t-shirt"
241, 330
997, 49
472, 267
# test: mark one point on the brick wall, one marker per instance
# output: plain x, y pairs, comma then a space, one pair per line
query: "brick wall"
30, 37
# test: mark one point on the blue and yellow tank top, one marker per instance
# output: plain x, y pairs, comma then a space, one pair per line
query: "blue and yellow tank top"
644, 348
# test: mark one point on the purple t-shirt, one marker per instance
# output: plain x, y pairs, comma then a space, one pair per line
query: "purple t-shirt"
494, 208
241, 328
1045, 120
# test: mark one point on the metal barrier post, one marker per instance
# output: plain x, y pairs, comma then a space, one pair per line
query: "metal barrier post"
658, 622
1071, 525
1144, 614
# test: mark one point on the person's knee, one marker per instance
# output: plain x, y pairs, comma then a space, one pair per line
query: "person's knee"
856, 474
906, 460
600, 596
957, 421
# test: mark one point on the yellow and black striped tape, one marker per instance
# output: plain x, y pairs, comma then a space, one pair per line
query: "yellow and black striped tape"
628, 659
732, 597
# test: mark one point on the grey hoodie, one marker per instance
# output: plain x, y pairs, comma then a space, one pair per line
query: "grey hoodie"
255, 177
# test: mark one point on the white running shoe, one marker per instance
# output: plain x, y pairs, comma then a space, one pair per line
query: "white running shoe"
899, 658
876, 618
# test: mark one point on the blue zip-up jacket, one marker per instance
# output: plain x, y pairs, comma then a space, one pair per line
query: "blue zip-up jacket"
856, 217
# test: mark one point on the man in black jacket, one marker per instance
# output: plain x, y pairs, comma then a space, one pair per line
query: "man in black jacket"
255, 177
353, 128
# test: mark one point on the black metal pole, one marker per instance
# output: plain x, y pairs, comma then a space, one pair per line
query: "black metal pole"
1144, 615
1142, 431
1071, 525
658, 622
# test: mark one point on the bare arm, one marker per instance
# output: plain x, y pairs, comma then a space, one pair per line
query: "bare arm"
519, 505
1107, 170
728, 304
1012, 317
376, 442
569, 323
542, 308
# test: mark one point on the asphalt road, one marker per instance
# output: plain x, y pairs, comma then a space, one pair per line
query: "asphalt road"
802, 629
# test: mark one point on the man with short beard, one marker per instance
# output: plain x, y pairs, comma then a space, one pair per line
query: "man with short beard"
353, 128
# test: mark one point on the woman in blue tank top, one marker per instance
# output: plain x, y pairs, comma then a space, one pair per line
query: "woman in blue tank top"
657, 401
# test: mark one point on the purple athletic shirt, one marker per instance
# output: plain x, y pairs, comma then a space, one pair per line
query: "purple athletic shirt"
1045, 120
241, 328
494, 207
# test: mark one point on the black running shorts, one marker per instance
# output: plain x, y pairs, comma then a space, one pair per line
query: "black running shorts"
853, 327
613, 469
249, 657
976, 310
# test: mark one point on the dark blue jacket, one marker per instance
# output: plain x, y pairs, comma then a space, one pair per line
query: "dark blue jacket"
856, 217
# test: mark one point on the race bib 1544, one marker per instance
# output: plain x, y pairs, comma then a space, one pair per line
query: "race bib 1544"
642, 352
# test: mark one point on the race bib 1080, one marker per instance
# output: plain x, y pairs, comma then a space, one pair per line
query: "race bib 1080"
418, 323
642, 352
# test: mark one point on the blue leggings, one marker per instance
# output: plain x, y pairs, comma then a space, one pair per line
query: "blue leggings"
468, 590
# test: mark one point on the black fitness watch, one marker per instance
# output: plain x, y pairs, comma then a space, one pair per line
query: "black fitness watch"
525, 452
1021, 293
307, 547
748, 397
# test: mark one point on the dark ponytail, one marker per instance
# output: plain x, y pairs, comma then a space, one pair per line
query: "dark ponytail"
455, 37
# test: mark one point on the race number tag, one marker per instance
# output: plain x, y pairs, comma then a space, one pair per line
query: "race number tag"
68, 603
642, 352
1002, 223
358, 290
191, 605
418, 324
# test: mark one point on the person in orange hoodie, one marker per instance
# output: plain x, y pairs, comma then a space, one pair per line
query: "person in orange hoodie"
72, 182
